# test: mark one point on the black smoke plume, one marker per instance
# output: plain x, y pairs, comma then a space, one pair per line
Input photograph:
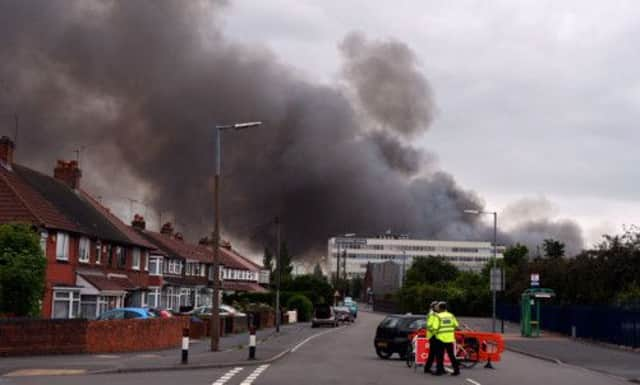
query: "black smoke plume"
140, 85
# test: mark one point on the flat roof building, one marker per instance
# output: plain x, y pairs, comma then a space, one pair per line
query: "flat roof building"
465, 255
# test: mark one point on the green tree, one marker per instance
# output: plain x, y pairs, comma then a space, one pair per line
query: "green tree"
553, 248
285, 261
317, 271
516, 255
318, 290
22, 270
430, 270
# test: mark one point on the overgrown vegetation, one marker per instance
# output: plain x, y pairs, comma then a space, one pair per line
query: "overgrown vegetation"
608, 274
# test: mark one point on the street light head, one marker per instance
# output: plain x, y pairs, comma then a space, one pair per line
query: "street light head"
242, 126
474, 212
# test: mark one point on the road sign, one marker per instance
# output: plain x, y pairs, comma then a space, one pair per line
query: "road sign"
535, 280
497, 279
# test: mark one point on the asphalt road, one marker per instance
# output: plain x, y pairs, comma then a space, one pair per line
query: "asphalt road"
344, 356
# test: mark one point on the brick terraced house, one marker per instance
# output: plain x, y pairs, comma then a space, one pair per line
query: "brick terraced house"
95, 262
181, 274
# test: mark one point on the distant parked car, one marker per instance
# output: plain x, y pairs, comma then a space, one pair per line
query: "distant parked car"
323, 314
225, 310
161, 313
126, 313
392, 334
343, 314
352, 305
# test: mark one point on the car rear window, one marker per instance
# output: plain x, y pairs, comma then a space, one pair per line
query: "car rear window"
323, 311
418, 324
390, 322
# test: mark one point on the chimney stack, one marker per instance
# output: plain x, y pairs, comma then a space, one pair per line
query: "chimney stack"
69, 173
167, 229
179, 237
6, 151
138, 222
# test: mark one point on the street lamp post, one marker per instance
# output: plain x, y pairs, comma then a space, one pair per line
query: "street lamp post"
214, 325
495, 259
278, 275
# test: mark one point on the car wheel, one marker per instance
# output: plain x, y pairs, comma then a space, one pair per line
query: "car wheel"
314, 325
384, 354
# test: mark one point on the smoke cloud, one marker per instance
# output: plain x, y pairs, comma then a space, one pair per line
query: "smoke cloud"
141, 84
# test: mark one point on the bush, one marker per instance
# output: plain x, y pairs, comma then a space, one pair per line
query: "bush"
302, 305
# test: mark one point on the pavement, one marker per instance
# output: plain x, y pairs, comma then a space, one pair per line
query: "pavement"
343, 355
233, 352
563, 350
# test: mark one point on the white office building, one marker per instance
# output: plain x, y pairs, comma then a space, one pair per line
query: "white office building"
359, 251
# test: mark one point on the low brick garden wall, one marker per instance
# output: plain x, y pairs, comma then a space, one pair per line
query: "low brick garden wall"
29, 337
26, 337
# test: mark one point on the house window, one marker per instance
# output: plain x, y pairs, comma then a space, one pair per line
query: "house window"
108, 302
155, 266
203, 270
121, 257
66, 304
62, 247
98, 252
146, 260
110, 253
153, 297
83, 249
88, 306
135, 260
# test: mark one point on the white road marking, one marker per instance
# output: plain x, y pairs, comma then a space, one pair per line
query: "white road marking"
473, 382
310, 338
227, 376
252, 377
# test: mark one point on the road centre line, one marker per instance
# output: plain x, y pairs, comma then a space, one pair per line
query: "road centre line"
310, 338
227, 376
252, 377
473, 382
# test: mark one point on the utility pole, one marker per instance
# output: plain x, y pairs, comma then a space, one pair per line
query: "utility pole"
278, 276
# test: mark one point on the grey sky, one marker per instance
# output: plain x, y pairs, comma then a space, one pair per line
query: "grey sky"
536, 99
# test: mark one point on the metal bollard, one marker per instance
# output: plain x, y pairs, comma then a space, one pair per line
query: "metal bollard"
252, 342
185, 346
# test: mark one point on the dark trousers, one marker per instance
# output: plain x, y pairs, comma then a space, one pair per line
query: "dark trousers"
433, 346
440, 357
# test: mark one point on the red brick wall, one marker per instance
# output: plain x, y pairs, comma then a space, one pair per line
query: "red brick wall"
26, 337
134, 335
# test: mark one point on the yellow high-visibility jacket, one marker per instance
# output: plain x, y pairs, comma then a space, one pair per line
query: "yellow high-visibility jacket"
445, 326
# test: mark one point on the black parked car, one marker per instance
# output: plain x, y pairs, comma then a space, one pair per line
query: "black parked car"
392, 335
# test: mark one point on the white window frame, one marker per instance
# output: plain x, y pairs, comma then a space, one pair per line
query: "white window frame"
135, 258
153, 294
44, 236
157, 270
145, 255
62, 246
84, 250
98, 252
72, 296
